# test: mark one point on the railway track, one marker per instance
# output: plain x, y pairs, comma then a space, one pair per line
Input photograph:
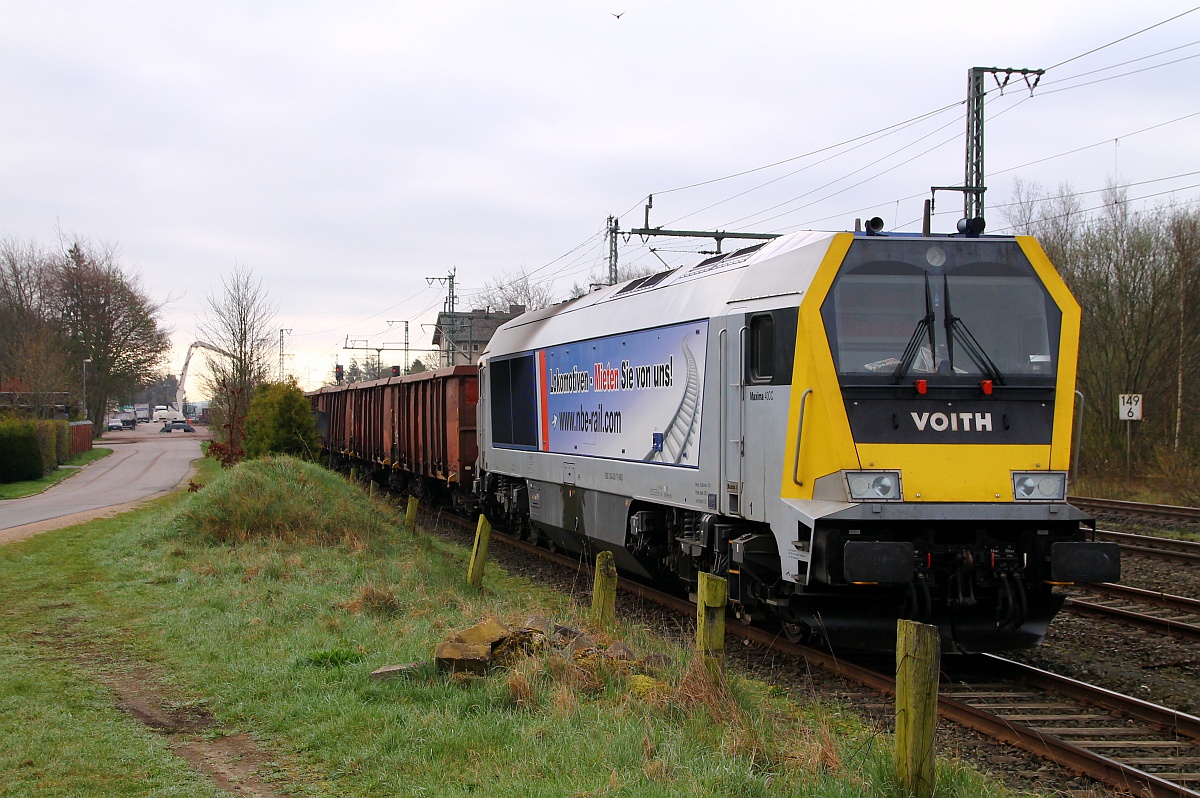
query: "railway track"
1117, 740
1175, 616
1157, 512
1169, 549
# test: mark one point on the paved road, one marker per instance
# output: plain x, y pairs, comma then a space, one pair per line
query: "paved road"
144, 463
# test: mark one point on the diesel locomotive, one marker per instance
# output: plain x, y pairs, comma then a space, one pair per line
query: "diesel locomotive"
850, 427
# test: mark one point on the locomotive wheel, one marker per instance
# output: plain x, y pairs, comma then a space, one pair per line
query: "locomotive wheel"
798, 632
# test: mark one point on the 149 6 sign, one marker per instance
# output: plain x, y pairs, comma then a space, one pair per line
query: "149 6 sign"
1130, 407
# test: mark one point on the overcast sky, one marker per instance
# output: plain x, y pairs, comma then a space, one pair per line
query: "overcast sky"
347, 151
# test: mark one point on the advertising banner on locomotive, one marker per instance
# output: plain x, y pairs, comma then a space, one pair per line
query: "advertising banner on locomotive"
635, 396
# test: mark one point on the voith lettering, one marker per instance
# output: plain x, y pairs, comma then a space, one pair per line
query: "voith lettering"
953, 422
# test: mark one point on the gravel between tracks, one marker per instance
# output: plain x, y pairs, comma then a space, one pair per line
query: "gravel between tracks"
1143, 664
1022, 773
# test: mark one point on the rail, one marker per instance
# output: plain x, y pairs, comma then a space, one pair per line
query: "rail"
1164, 512
1174, 616
1160, 548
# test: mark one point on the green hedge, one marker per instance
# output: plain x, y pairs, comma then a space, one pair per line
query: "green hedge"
20, 452
62, 438
47, 444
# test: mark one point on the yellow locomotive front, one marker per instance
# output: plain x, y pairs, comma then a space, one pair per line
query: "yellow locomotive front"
933, 391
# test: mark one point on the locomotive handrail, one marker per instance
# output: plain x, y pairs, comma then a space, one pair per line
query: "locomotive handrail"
741, 375
799, 437
721, 403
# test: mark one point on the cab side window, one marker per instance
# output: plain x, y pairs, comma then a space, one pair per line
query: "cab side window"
761, 360
770, 347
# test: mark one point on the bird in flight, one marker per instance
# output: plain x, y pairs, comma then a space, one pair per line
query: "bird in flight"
618, 16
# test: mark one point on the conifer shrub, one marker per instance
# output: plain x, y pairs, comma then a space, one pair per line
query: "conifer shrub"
20, 453
280, 421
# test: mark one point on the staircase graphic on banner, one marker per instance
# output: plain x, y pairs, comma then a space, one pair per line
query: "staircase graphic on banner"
677, 437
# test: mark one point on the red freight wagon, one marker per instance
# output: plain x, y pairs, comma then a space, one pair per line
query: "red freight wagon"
417, 426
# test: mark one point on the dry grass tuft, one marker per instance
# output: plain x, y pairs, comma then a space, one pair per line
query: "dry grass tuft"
701, 687
657, 770
564, 701
378, 601
574, 676
520, 691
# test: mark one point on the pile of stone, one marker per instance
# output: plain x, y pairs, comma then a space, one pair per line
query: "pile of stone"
488, 644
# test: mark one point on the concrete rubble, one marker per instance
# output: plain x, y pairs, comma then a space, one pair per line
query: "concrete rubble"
490, 643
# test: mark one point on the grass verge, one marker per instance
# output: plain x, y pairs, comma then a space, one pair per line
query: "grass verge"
17, 490
272, 620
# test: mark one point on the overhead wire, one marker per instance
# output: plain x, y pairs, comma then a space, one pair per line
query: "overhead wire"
1123, 38
810, 153
573, 267
1122, 75
909, 160
1121, 64
1125, 200
890, 131
922, 116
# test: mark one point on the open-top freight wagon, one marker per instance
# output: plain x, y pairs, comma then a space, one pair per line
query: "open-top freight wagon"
414, 433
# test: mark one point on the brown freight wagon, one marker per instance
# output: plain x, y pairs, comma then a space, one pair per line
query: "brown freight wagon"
413, 432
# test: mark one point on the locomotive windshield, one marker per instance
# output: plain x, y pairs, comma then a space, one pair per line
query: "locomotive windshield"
954, 308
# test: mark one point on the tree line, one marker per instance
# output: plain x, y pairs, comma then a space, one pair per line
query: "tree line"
1136, 274
77, 331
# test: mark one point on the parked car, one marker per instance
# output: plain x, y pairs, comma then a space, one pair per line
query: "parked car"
115, 423
174, 425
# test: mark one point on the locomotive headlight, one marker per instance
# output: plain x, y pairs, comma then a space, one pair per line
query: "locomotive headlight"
874, 486
1040, 486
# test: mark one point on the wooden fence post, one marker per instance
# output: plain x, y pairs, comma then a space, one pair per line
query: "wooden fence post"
483, 534
918, 663
410, 517
712, 592
604, 590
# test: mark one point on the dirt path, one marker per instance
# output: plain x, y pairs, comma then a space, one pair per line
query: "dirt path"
233, 762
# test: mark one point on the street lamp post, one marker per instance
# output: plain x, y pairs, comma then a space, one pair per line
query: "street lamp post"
85, 361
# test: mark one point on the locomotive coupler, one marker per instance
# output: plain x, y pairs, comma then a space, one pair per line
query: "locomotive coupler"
960, 588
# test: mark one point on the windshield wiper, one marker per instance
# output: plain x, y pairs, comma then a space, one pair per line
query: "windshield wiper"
924, 325
956, 327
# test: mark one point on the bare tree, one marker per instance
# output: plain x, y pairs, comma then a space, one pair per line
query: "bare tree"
624, 274
58, 309
241, 320
1184, 231
32, 353
513, 288
1136, 276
